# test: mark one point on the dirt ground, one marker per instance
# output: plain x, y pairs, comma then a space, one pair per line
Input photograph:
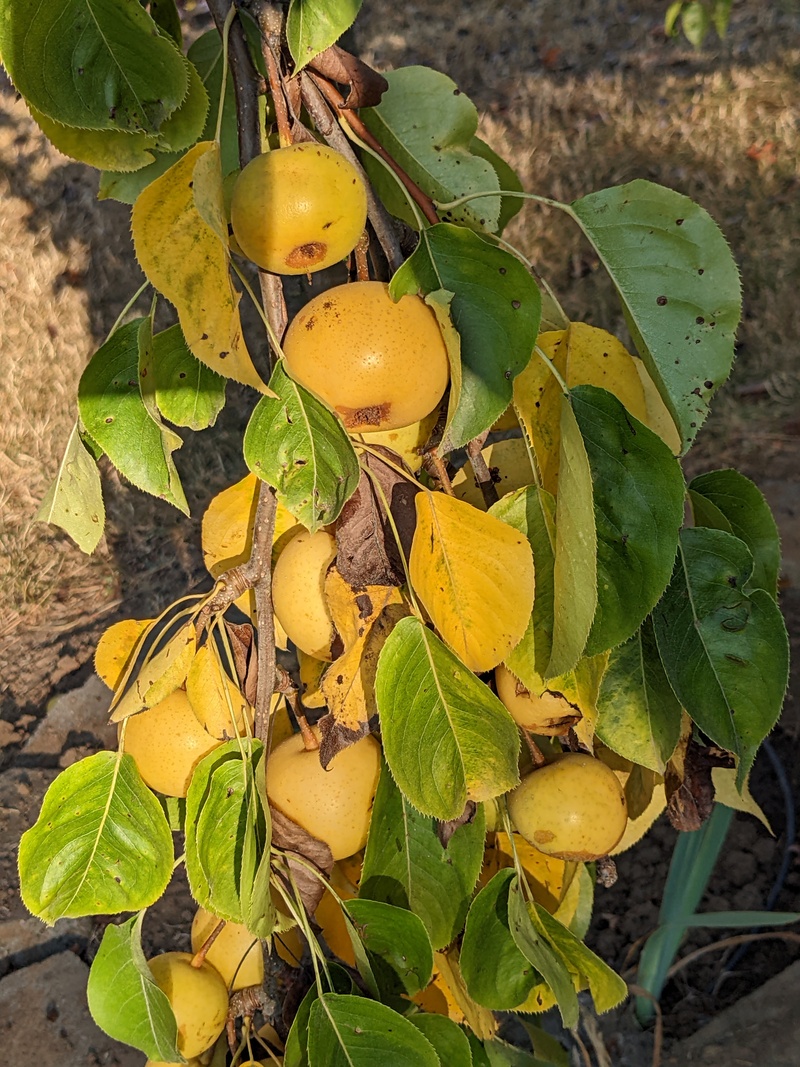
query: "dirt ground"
577, 95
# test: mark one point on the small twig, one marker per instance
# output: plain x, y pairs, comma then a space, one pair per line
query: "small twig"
269, 21
360, 254
483, 476
335, 98
199, 957
538, 757
730, 942
658, 1033
433, 460
584, 1052
329, 128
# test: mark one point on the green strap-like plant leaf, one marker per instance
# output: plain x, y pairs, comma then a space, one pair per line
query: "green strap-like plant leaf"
638, 714
75, 499
446, 736
116, 416
299, 447
723, 644
638, 493
679, 287
449, 1040
123, 997
397, 945
351, 1031
94, 64
405, 863
496, 308
428, 125
726, 500
101, 844
188, 392
314, 25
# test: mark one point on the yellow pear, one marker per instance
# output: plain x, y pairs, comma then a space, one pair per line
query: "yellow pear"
298, 591
235, 953
198, 997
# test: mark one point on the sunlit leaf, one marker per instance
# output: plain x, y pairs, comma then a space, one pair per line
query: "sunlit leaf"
160, 676
115, 647
112, 150
397, 945
101, 844
352, 1031
75, 499
314, 25
726, 792
216, 700
187, 392
474, 574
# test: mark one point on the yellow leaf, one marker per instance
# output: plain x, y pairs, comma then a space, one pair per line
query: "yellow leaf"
546, 875
474, 574
725, 792
115, 648
216, 701
658, 417
363, 620
311, 671
583, 355
160, 676
181, 246
650, 809
447, 995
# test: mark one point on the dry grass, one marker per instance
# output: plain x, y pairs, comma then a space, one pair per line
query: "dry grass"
577, 95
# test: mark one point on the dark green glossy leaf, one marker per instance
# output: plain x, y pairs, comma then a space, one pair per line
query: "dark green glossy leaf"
449, 1040
123, 997
638, 494
188, 393
166, 15
723, 646
406, 865
351, 1031
75, 499
314, 25
101, 844
296, 1054
496, 309
300, 448
446, 736
726, 500
679, 287
397, 945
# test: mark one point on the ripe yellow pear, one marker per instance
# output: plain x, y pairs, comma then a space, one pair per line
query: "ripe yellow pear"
549, 714
508, 459
573, 808
298, 209
168, 742
235, 953
333, 805
379, 364
298, 592
198, 998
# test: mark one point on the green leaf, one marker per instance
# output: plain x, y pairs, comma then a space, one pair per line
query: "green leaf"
724, 647
351, 1031
101, 844
301, 449
638, 495
94, 64
446, 736
188, 393
186, 123
225, 830
532, 511
405, 863
115, 415
314, 25
506, 176
607, 988
738, 919
526, 927
502, 1054
75, 499
679, 287
123, 998
671, 18
113, 150
638, 714
166, 15
497, 974
738, 506
447, 1038
496, 309
720, 15
427, 125
695, 22
397, 945
575, 566
296, 1054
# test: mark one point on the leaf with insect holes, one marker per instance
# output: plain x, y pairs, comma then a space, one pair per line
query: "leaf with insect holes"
314, 25
474, 574
352, 1031
160, 676
679, 287
115, 415
299, 447
405, 863
101, 844
123, 997
446, 736
74, 501
94, 65
496, 309
723, 644
180, 237
427, 125
187, 392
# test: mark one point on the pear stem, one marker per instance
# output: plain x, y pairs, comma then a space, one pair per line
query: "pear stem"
199, 957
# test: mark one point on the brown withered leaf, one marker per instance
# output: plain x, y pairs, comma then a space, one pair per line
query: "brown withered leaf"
688, 784
445, 830
299, 845
366, 86
367, 553
363, 620
243, 645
